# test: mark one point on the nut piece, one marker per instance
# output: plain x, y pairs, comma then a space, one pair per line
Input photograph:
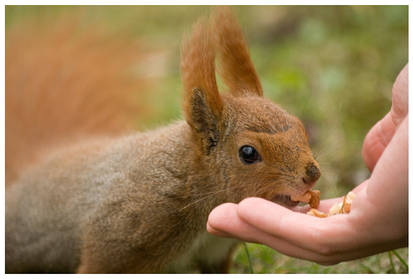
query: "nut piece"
317, 213
336, 209
342, 207
315, 198
311, 197
303, 198
348, 199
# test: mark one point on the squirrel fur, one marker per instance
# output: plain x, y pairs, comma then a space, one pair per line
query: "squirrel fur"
138, 203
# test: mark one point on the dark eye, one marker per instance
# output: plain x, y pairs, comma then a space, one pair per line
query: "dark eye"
248, 154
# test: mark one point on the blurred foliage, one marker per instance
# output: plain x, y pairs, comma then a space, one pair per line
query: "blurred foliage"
332, 66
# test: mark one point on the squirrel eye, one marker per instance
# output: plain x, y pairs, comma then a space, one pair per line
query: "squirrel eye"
248, 154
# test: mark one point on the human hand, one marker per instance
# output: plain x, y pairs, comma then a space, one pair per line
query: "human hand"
378, 218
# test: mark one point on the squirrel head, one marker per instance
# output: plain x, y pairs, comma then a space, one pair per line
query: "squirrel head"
255, 147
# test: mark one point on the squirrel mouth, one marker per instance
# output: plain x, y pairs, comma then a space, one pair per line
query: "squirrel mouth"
285, 200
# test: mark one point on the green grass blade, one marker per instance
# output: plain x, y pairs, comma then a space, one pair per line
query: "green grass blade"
369, 270
393, 270
401, 260
249, 258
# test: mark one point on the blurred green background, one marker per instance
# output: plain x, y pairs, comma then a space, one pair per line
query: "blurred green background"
332, 66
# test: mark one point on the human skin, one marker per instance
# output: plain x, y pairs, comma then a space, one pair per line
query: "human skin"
378, 220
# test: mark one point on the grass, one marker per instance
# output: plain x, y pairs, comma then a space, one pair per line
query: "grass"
266, 260
331, 66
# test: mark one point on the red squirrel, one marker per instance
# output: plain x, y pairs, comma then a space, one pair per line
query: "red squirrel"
139, 203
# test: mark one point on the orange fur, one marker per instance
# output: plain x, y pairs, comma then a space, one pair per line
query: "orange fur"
198, 69
62, 84
237, 69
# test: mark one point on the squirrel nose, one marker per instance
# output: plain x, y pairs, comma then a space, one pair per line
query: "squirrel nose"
312, 173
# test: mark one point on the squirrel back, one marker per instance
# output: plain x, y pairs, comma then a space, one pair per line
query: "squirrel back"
62, 85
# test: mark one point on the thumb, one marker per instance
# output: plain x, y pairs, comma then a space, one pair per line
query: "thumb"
381, 134
400, 107
377, 139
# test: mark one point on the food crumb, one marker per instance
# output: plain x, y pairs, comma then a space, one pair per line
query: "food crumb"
342, 207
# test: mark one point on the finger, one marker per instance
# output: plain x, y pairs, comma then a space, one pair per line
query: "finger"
214, 231
389, 181
400, 97
308, 232
376, 140
224, 221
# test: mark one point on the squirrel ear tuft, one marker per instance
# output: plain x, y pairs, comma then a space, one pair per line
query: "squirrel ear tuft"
236, 67
202, 103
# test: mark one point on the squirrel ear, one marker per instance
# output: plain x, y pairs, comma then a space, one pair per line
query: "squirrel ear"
202, 118
237, 69
202, 102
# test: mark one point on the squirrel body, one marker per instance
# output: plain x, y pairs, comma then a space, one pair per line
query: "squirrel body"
139, 203
103, 184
